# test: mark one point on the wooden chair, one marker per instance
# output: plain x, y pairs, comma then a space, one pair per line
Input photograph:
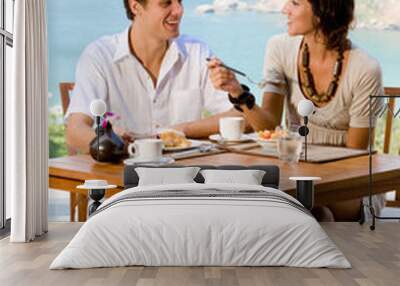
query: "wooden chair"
79, 200
388, 135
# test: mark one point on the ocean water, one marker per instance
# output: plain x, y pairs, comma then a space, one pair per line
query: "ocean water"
236, 31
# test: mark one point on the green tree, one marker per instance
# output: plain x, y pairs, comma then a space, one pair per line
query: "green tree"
379, 136
57, 146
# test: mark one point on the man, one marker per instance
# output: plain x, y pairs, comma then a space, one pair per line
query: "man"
149, 76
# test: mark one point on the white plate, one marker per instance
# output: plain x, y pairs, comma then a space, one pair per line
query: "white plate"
160, 162
219, 139
268, 143
194, 144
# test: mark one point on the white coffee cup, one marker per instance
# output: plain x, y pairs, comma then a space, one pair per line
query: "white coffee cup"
146, 149
231, 128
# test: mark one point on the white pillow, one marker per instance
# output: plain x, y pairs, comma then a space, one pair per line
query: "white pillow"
165, 176
248, 177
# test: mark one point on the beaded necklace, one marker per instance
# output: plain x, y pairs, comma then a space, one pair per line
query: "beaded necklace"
309, 85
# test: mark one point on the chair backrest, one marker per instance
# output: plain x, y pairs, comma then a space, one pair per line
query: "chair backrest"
65, 89
389, 117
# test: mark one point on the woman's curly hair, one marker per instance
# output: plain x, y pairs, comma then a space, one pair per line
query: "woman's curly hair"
129, 13
333, 19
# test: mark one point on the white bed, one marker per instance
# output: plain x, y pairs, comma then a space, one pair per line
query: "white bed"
248, 226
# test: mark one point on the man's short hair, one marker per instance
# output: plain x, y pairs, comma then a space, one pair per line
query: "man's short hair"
129, 13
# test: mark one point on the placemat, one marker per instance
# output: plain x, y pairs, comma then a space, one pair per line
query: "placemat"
194, 153
216, 149
315, 153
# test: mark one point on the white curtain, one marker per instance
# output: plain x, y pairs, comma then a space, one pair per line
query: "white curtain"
26, 115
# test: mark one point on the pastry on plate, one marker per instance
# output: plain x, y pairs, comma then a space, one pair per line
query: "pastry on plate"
174, 139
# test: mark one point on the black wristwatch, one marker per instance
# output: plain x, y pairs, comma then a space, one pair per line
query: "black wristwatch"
246, 98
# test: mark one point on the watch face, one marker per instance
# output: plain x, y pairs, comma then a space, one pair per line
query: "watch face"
243, 97
248, 99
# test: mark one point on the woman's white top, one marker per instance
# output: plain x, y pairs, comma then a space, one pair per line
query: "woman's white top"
361, 78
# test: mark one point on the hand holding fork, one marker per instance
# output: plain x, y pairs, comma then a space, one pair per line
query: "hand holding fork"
223, 77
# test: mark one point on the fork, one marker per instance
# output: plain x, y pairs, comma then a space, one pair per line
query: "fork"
261, 84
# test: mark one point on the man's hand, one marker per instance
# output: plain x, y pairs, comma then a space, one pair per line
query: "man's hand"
126, 136
224, 79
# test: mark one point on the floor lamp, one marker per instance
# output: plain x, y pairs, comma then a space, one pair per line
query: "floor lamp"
98, 108
375, 113
98, 188
305, 108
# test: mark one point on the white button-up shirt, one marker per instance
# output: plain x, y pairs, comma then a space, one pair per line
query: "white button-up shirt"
108, 70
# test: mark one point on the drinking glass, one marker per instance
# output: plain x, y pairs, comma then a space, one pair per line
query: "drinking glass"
290, 147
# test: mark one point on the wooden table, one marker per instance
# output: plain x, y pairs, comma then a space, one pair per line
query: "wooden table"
341, 180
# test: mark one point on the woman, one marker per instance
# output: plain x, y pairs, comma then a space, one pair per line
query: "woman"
317, 61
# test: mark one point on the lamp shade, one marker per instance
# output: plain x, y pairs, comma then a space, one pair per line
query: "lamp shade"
305, 107
98, 107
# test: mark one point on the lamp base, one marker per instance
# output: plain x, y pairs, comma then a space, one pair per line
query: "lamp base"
303, 130
305, 190
96, 195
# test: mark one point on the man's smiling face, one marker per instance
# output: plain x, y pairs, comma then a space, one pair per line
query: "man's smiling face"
160, 18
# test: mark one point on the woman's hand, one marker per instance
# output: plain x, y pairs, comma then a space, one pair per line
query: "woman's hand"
224, 79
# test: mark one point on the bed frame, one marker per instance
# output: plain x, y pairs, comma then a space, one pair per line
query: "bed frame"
304, 187
270, 179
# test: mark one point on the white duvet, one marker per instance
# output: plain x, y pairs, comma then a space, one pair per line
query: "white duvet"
204, 231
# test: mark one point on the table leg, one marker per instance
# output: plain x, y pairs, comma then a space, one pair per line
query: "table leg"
397, 197
72, 205
82, 207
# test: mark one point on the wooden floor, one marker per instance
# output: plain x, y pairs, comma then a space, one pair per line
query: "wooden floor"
375, 257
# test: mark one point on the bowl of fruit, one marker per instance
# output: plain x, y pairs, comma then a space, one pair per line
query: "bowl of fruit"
268, 139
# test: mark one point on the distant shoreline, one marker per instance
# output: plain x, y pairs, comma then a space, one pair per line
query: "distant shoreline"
237, 37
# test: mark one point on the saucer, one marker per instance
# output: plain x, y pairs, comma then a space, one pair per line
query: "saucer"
220, 140
157, 162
